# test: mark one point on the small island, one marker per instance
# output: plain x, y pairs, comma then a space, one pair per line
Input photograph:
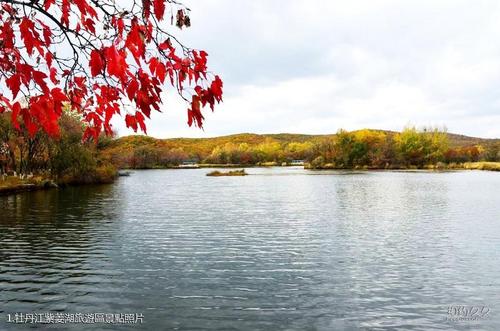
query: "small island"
218, 173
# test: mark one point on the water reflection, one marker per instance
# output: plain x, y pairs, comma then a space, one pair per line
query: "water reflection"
280, 249
54, 248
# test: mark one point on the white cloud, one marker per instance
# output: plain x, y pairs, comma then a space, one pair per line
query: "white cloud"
316, 66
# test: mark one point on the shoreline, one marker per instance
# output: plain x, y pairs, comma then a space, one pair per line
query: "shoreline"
21, 186
26, 186
486, 166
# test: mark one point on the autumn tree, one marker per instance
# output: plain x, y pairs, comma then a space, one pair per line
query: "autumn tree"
100, 57
417, 147
492, 152
297, 150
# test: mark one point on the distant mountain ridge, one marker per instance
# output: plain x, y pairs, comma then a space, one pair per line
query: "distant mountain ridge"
455, 140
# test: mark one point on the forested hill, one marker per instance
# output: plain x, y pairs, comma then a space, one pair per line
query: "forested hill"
207, 144
371, 148
458, 140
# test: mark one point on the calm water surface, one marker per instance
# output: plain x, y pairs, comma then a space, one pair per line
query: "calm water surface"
281, 249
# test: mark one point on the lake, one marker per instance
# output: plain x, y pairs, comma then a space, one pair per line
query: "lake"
280, 249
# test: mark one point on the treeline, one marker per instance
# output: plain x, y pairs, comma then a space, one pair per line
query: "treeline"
66, 160
149, 153
364, 148
377, 149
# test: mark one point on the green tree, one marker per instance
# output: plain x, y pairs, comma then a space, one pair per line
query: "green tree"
344, 145
420, 147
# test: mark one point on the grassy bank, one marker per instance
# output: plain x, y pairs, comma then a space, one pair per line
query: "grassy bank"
12, 185
104, 174
491, 166
488, 166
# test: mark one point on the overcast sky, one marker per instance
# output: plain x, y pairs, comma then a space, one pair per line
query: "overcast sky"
303, 66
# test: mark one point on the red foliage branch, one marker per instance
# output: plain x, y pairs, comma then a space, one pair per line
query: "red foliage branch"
99, 59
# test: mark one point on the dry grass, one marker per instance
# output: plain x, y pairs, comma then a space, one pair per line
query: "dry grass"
14, 184
218, 173
491, 166
10, 182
